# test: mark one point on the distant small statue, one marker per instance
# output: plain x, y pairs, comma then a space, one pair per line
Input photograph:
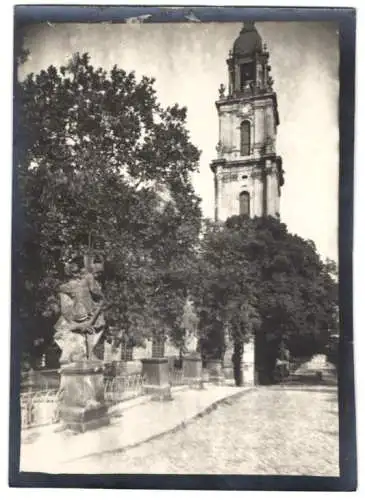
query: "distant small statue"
190, 323
82, 323
221, 91
190, 342
219, 148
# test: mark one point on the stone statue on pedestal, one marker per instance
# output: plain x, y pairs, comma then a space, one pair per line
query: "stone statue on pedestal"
81, 324
190, 342
190, 323
78, 331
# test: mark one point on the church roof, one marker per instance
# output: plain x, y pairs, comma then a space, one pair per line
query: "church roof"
248, 41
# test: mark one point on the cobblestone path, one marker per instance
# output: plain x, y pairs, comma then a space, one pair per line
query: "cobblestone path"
272, 430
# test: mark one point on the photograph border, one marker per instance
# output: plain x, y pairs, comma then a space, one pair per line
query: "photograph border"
347, 481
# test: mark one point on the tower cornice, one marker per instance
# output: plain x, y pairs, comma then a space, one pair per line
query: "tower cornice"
250, 98
219, 162
247, 161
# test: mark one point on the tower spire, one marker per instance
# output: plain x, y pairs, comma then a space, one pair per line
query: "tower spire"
248, 26
248, 173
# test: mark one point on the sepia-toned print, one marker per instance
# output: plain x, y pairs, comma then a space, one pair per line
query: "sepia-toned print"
176, 247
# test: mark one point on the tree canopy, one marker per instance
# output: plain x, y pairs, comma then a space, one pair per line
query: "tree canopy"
102, 164
255, 277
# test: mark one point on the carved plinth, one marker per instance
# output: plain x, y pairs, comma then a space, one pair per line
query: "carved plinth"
193, 370
228, 372
215, 371
156, 375
228, 365
82, 404
248, 371
248, 363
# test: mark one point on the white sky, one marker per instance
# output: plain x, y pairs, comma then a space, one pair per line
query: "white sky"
189, 63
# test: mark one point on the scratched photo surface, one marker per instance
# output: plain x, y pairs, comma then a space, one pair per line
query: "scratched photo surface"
177, 270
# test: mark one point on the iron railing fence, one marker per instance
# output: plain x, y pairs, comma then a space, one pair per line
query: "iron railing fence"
39, 408
40, 380
176, 377
123, 387
40, 396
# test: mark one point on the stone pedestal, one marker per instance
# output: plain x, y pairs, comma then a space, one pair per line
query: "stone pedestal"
156, 373
215, 371
248, 363
133, 367
227, 364
82, 396
118, 368
193, 370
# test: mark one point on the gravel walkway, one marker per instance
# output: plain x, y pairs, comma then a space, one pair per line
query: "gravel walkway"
273, 430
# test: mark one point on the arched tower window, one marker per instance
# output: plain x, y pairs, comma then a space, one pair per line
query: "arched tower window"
245, 203
247, 74
245, 138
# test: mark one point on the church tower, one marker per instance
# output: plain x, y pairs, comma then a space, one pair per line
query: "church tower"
248, 174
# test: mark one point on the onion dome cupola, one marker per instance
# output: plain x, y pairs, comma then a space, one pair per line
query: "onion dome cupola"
248, 42
248, 68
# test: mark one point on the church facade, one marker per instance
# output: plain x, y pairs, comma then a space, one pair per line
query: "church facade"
248, 174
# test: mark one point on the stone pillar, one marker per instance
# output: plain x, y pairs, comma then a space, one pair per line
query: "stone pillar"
248, 363
193, 370
268, 194
215, 371
220, 197
156, 374
227, 362
82, 396
259, 195
216, 194
277, 195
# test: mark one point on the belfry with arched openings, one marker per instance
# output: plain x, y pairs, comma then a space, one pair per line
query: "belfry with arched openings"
248, 173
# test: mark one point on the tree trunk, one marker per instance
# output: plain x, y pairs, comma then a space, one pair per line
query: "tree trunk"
237, 363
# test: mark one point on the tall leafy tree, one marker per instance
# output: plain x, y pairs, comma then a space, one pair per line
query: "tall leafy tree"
224, 293
259, 279
102, 165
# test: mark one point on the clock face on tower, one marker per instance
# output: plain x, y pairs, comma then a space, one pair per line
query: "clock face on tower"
246, 109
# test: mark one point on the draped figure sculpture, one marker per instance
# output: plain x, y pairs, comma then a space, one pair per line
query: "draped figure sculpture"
82, 323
